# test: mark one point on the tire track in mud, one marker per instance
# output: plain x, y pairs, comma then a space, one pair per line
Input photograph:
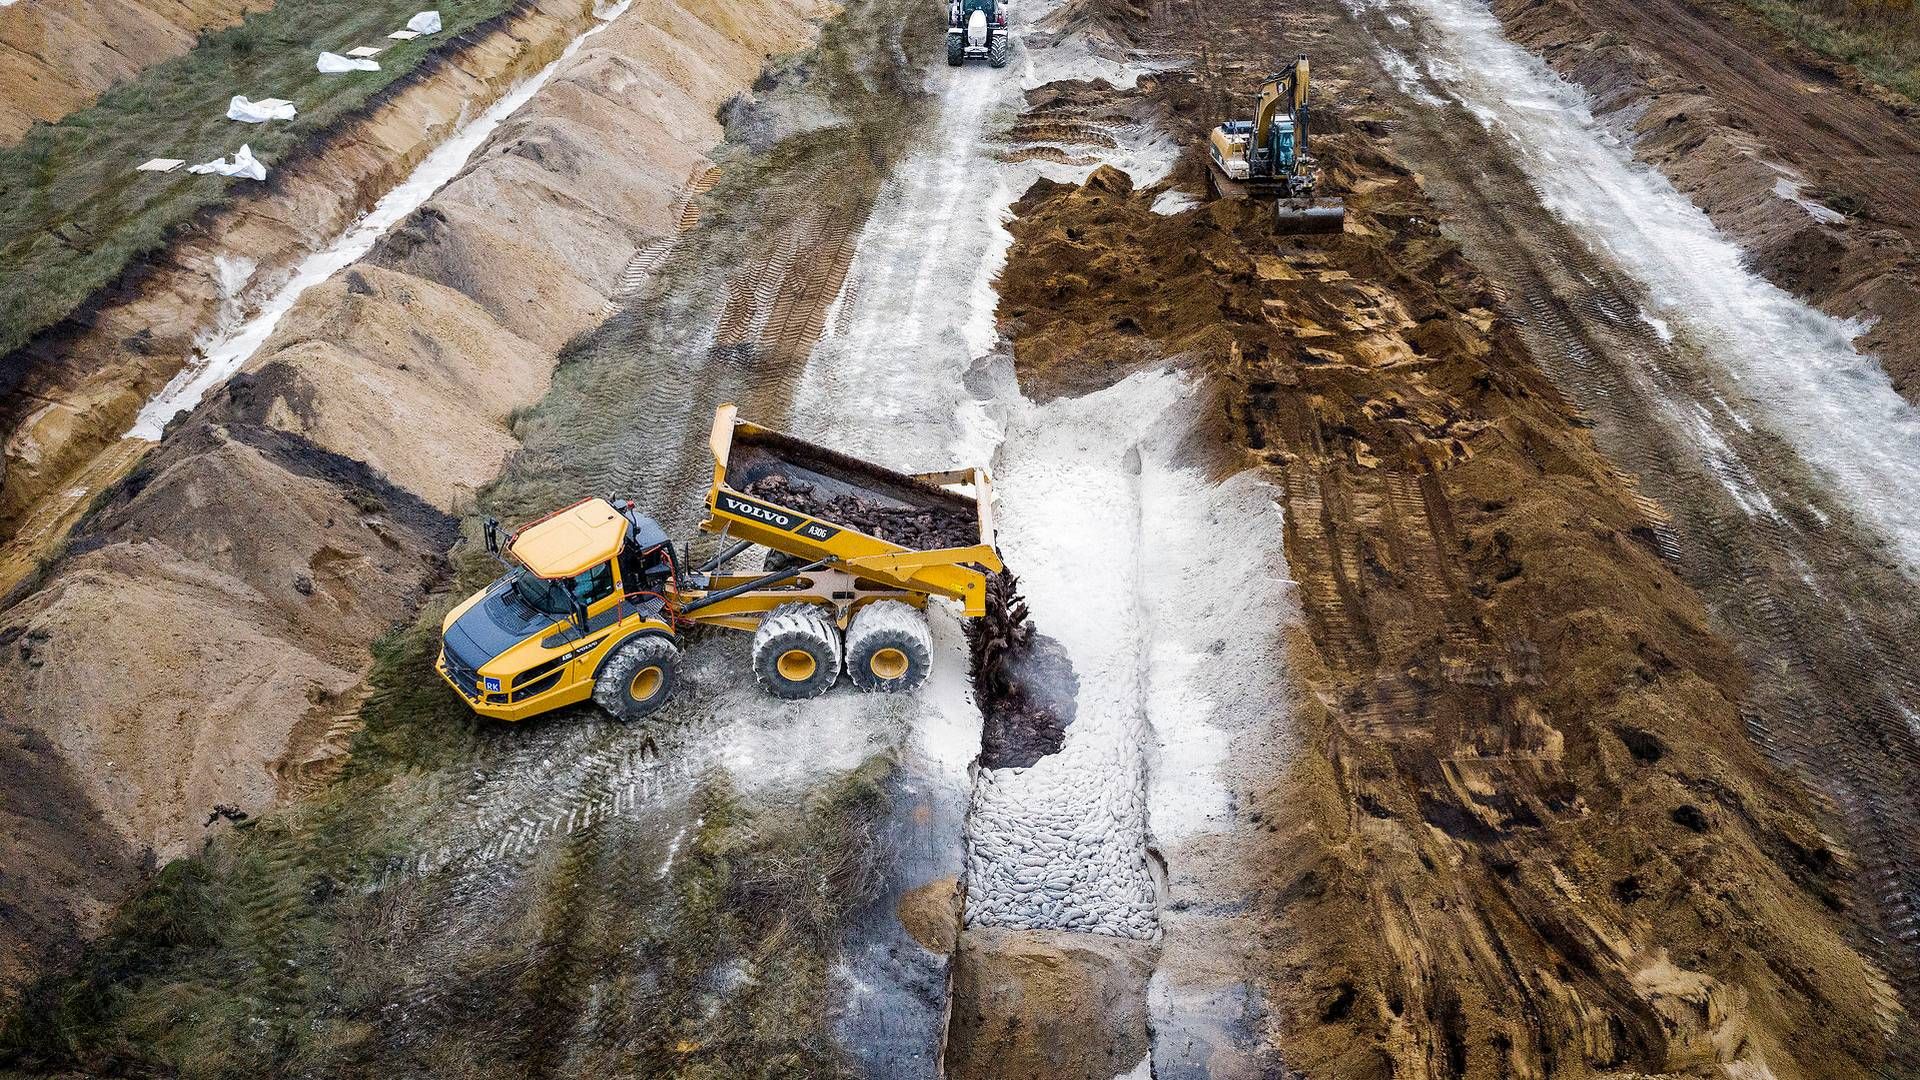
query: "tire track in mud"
1816, 604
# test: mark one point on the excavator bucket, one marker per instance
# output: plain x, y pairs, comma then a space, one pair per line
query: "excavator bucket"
1312, 215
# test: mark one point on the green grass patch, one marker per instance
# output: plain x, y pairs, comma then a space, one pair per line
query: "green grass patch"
73, 212
1881, 38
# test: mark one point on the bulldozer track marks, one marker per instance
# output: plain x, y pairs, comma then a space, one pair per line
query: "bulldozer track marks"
652, 255
1819, 616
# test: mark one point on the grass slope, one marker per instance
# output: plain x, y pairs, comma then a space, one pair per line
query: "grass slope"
73, 213
1879, 37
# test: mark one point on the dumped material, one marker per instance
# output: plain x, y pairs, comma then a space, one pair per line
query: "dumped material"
259, 112
334, 63
427, 22
242, 163
160, 164
1022, 679
923, 528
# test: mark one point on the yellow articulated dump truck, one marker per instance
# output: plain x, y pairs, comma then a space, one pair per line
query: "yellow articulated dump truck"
596, 594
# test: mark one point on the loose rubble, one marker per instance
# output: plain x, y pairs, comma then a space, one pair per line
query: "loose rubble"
921, 528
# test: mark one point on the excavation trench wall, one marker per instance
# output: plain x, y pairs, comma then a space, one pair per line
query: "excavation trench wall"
1798, 159
57, 56
1526, 738
204, 639
81, 384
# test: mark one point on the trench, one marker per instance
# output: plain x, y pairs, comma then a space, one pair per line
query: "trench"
229, 351
1115, 525
251, 301
1776, 462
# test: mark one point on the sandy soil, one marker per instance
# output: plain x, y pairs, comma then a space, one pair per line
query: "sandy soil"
78, 387
1537, 841
204, 640
57, 56
1797, 158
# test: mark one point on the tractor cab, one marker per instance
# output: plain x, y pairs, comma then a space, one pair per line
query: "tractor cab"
978, 29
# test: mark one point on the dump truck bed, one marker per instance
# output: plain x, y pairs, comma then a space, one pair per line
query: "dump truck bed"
909, 531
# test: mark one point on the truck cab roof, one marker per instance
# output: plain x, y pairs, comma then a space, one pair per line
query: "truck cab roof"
570, 541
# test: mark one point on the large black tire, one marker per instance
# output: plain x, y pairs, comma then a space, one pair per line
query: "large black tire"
956, 50
796, 651
889, 648
999, 50
637, 677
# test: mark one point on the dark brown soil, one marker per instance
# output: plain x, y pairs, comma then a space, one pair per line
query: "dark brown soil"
1533, 838
1023, 681
920, 528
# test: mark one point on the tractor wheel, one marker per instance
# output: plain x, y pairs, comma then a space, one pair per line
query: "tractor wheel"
956, 50
638, 677
889, 648
999, 50
796, 651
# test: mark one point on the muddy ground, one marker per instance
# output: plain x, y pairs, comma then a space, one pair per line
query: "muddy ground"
1801, 160
1539, 841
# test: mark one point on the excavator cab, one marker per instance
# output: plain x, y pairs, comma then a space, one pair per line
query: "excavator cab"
976, 29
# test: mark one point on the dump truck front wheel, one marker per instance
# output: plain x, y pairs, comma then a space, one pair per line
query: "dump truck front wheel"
889, 649
796, 651
638, 677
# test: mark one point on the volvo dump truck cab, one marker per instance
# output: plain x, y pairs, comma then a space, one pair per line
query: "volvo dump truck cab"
596, 595
977, 29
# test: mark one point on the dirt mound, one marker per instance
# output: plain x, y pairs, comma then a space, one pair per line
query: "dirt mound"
205, 637
411, 377
1475, 874
57, 56
1023, 681
78, 387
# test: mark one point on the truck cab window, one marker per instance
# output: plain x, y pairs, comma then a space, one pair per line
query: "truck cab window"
594, 585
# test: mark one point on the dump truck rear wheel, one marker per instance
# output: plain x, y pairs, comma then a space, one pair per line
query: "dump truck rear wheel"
999, 50
638, 677
796, 651
889, 648
956, 50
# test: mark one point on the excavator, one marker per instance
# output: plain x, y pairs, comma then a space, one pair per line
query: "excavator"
1267, 156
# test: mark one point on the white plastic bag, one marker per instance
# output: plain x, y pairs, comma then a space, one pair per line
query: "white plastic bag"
243, 163
259, 112
427, 22
332, 63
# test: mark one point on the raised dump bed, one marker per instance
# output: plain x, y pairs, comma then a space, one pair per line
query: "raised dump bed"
907, 531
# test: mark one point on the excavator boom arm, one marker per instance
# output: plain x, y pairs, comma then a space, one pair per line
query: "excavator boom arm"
1284, 90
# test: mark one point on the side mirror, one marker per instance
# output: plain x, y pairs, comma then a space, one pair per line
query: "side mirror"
490, 529
580, 616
